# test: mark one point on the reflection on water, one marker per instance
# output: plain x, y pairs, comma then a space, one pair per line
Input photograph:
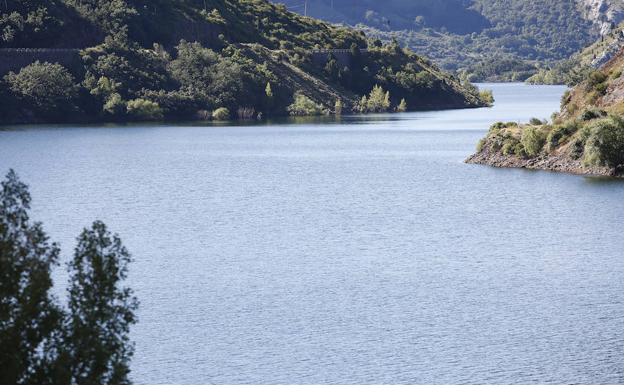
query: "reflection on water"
358, 252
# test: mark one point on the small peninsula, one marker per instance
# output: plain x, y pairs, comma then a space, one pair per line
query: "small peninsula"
586, 137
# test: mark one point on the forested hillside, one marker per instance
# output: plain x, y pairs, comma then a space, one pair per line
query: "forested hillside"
220, 59
488, 39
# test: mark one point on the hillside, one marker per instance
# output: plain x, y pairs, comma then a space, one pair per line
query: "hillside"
499, 40
248, 59
573, 70
586, 137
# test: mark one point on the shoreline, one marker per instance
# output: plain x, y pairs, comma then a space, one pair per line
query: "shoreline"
554, 163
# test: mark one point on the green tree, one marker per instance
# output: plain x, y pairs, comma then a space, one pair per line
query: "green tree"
270, 97
338, 107
533, 139
29, 316
142, 109
201, 71
378, 100
45, 88
402, 107
101, 309
304, 106
605, 146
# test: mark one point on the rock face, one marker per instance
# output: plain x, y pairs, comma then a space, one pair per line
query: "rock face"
605, 14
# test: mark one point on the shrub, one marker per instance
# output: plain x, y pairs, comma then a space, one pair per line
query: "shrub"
47, 88
535, 122
115, 105
532, 140
594, 79
559, 134
303, 106
519, 150
487, 97
481, 144
142, 109
508, 148
221, 113
592, 113
605, 145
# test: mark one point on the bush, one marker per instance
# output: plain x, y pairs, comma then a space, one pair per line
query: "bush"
221, 113
303, 106
481, 144
605, 145
592, 113
532, 140
142, 109
487, 97
559, 134
48, 89
535, 122
115, 105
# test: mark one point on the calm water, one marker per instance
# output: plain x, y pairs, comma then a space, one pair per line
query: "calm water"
357, 253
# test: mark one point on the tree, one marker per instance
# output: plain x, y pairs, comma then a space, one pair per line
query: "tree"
304, 106
48, 89
216, 80
270, 97
533, 139
605, 146
142, 109
29, 316
338, 107
101, 310
378, 100
402, 107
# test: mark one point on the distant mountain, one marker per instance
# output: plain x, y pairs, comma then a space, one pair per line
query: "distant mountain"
455, 16
488, 39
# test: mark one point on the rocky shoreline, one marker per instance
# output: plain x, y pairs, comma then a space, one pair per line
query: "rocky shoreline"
555, 162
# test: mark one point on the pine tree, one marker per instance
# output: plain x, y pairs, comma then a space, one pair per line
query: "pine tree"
268, 91
378, 100
402, 107
338, 107
29, 316
101, 310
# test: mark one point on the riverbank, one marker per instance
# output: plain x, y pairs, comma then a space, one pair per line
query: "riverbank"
557, 162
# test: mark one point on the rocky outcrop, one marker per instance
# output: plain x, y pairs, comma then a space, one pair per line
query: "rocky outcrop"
556, 162
605, 14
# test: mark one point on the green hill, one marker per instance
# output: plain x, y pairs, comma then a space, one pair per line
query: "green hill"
248, 58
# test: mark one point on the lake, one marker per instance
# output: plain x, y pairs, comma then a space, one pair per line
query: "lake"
362, 251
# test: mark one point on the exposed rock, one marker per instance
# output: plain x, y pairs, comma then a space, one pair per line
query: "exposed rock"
553, 162
605, 14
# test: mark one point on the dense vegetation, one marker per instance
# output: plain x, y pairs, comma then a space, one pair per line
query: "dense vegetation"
44, 342
188, 59
487, 39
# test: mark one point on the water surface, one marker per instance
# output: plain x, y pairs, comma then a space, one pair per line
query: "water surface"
358, 252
